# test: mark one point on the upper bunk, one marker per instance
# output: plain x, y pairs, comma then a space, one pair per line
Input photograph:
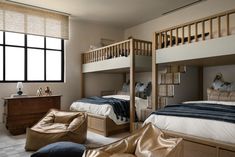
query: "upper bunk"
207, 41
119, 57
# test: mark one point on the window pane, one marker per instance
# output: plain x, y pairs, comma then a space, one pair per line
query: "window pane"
35, 64
53, 65
53, 43
14, 39
1, 37
35, 41
14, 63
1, 63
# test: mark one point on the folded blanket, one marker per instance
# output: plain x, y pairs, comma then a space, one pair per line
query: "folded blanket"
217, 112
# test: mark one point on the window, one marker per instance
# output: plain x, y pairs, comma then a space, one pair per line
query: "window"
31, 58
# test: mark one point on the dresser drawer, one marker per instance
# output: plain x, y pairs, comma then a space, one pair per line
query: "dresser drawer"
24, 112
32, 106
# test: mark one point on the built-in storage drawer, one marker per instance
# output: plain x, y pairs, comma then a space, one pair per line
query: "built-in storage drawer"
192, 149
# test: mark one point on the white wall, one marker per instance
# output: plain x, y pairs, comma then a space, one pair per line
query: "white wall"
82, 35
209, 73
206, 8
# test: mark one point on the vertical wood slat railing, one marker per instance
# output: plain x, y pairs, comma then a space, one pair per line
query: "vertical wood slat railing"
165, 38
120, 49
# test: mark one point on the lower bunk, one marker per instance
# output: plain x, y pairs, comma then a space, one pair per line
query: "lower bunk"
105, 126
207, 127
201, 147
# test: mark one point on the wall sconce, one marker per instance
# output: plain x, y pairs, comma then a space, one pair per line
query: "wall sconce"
19, 86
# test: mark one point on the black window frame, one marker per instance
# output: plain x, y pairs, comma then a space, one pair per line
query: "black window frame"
26, 47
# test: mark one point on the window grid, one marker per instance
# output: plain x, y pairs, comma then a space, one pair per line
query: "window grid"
26, 59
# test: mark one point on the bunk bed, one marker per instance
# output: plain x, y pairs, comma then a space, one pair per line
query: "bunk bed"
204, 42
128, 56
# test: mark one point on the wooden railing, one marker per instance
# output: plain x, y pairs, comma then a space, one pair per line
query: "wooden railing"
196, 30
120, 49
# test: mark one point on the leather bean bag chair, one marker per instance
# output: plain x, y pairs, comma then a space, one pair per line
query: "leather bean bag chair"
149, 141
57, 126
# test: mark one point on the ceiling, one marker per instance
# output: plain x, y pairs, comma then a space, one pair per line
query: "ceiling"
119, 13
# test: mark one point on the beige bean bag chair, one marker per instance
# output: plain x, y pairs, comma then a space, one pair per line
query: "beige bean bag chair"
149, 141
57, 126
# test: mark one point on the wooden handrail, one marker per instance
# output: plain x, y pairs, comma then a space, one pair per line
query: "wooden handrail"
165, 38
199, 20
123, 48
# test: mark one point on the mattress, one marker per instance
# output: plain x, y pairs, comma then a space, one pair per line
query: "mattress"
107, 110
210, 129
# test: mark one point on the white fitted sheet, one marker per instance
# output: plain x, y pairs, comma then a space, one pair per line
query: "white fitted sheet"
211, 129
107, 110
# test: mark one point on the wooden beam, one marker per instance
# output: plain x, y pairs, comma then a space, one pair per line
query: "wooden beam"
132, 86
82, 89
189, 33
228, 29
177, 35
200, 82
196, 32
154, 74
203, 30
219, 26
211, 29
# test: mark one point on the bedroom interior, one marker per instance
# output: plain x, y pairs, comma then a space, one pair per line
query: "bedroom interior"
160, 69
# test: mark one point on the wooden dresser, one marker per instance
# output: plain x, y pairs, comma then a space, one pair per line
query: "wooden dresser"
22, 112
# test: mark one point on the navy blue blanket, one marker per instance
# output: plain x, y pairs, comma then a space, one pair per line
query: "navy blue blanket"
203, 110
120, 107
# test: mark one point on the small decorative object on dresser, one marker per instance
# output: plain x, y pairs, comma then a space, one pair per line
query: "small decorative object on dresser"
19, 86
48, 91
22, 112
39, 92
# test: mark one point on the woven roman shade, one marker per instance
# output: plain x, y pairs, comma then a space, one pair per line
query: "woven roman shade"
27, 20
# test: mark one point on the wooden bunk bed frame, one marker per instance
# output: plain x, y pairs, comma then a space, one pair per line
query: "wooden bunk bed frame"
129, 49
195, 146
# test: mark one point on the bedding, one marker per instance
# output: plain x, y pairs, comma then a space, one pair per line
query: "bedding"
106, 109
206, 128
120, 107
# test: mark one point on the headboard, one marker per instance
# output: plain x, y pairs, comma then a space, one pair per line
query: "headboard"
216, 95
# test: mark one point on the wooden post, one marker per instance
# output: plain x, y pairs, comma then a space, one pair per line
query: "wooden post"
160, 40
211, 30
189, 33
228, 30
203, 30
82, 89
155, 72
196, 32
219, 26
171, 37
182, 35
200, 82
165, 39
177, 36
132, 85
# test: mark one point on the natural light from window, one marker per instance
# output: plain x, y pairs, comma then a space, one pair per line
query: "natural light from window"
1, 37
14, 39
53, 63
53, 43
35, 41
30, 58
35, 65
14, 63
1, 61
